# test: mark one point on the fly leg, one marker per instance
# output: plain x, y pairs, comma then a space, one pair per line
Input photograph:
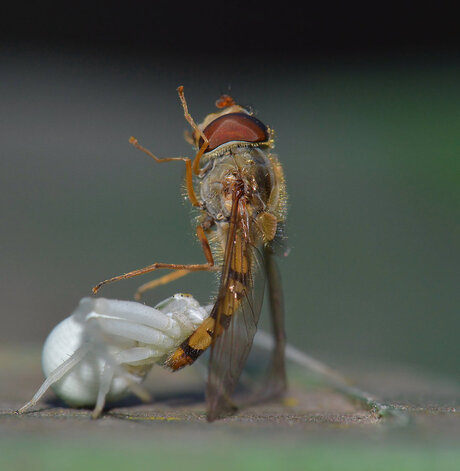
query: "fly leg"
208, 266
188, 169
175, 275
198, 131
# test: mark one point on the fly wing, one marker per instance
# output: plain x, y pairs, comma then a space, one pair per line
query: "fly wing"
236, 313
276, 380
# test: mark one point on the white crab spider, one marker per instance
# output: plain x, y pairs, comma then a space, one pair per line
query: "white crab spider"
106, 347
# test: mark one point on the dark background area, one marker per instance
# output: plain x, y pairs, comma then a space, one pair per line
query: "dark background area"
365, 103
236, 30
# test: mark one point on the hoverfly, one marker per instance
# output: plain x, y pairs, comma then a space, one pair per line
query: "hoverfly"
238, 186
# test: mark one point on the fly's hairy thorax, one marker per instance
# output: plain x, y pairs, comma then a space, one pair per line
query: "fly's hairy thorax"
258, 176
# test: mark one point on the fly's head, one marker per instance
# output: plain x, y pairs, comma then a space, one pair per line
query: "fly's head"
232, 125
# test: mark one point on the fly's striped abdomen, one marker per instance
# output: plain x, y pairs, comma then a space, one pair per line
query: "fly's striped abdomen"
238, 282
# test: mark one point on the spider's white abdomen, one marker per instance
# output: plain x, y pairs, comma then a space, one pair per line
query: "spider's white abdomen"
80, 386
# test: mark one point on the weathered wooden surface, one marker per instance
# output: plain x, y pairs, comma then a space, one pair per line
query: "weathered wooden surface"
310, 416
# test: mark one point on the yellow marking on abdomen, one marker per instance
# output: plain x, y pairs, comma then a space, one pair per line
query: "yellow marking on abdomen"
201, 339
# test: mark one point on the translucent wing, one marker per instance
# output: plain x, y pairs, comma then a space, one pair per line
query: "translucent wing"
236, 312
276, 380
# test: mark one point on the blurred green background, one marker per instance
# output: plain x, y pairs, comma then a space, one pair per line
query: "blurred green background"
371, 154
365, 102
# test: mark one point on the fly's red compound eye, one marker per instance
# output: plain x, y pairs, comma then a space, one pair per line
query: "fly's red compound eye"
234, 127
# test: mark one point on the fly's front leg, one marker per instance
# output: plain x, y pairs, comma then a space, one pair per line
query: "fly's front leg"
208, 266
198, 131
188, 169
